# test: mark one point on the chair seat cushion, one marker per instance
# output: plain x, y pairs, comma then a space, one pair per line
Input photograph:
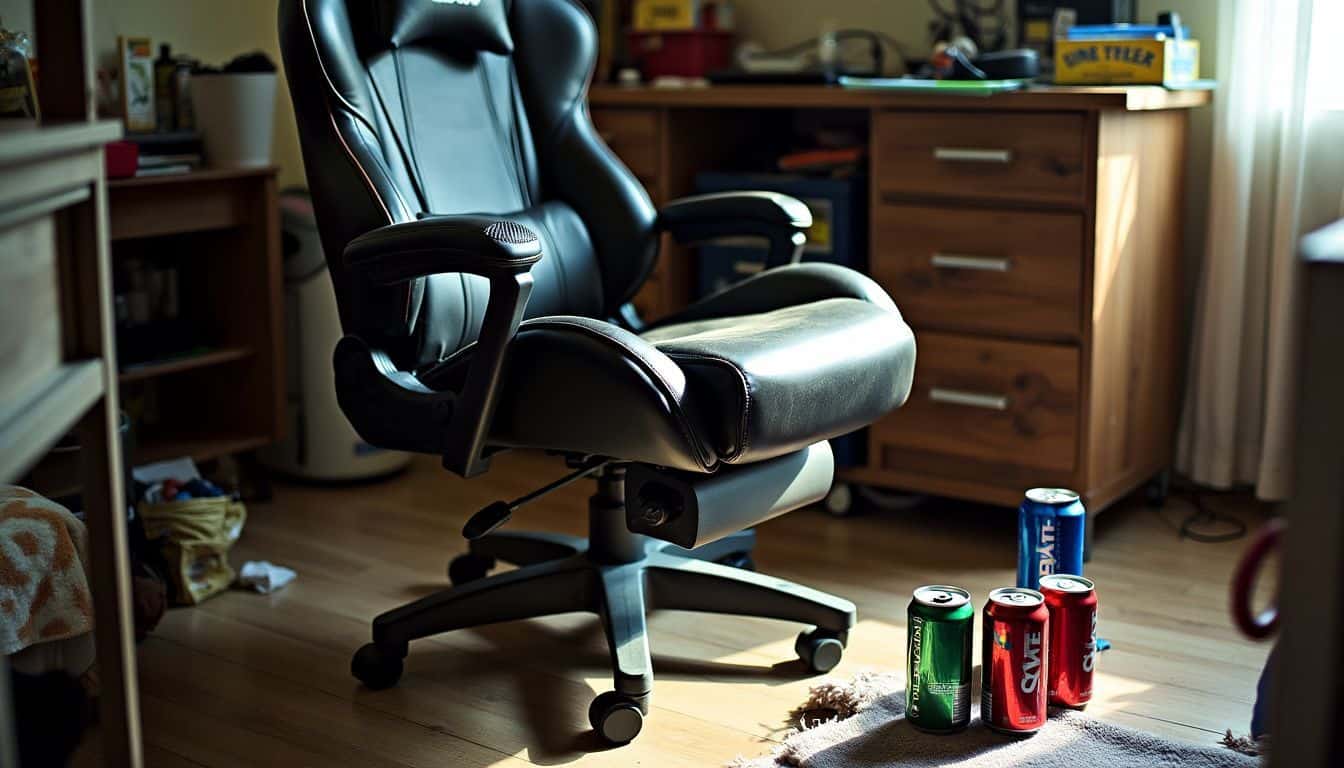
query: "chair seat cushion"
766, 367
773, 382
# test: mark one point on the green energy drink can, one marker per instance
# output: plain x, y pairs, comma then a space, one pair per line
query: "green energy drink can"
938, 660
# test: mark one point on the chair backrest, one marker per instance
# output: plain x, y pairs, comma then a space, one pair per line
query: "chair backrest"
414, 107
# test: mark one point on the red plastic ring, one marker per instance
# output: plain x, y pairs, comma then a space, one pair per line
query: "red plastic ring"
1264, 624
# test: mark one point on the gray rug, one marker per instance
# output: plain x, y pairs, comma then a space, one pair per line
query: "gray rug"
868, 729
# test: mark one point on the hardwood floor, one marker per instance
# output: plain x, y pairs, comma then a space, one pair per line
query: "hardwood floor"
250, 680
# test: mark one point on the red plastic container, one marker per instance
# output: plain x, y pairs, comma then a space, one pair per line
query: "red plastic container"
121, 158
692, 53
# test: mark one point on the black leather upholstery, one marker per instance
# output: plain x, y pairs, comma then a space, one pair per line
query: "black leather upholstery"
481, 245
423, 125
775, 382
476, 25
779, 219
443, 123
707, 387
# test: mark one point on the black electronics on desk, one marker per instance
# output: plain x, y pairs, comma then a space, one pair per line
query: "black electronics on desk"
1036, 20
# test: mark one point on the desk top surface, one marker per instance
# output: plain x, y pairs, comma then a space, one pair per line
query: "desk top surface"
1046, 98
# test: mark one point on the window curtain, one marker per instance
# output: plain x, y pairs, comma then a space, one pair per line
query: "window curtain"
1277, 172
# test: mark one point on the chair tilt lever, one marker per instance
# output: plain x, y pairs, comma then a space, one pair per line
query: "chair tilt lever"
492, 516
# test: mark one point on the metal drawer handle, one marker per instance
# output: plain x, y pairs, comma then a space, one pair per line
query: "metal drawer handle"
964, 155
972, 399
963, 261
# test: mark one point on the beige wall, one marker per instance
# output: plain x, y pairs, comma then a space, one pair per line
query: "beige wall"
17, 15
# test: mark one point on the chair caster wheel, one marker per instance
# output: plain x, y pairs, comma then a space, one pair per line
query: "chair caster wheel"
840, 501
820, 649
615, 717
467, 568
740, 560
375, 668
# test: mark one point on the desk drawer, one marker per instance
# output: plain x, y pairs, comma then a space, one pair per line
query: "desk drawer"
1000, 272
996, 412
990, 156
633, 135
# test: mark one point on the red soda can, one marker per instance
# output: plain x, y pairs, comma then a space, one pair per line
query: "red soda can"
1013, 661
1072, 602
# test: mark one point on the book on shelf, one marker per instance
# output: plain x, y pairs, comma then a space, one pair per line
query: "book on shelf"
158, 161
164, 170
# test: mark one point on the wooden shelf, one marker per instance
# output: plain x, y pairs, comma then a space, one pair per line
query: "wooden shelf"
154, 369
49, 406
203, 174
160, 447
208, 200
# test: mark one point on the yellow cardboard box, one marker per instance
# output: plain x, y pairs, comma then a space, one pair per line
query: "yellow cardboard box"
666, 15
1130, 62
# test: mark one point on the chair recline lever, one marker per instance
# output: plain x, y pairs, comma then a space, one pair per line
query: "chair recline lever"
491, 517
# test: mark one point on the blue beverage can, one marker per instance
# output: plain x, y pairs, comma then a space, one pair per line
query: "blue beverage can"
1050, 528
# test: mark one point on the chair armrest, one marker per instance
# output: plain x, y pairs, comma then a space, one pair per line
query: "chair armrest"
501, 251
780, 219
479, 245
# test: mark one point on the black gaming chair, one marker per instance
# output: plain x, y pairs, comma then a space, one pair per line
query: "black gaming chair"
484, 243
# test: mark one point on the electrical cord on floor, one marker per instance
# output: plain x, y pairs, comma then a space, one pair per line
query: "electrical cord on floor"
1203, 525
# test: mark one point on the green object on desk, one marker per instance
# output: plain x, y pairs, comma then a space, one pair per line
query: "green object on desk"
949, 87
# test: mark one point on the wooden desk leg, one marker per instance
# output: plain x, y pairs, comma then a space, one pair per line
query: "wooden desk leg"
105, 513
87, 317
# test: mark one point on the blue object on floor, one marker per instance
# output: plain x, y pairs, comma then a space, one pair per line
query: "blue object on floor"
1260, 711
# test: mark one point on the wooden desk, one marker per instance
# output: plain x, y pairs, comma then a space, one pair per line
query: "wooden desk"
221, 229
1031, 239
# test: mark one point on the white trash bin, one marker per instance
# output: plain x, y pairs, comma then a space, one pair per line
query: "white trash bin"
235, 113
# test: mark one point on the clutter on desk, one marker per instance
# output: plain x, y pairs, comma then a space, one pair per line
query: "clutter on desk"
167, 153
135, 61
172, 92
179, 112
940, 87
1041, 22
152, 96
1128, 54
816, 61
681, 38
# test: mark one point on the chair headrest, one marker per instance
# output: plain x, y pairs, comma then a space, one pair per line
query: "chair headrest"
471, 25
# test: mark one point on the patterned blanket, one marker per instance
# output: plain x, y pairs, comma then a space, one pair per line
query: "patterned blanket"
44, 592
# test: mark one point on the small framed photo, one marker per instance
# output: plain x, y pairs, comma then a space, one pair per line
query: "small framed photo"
136, 58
